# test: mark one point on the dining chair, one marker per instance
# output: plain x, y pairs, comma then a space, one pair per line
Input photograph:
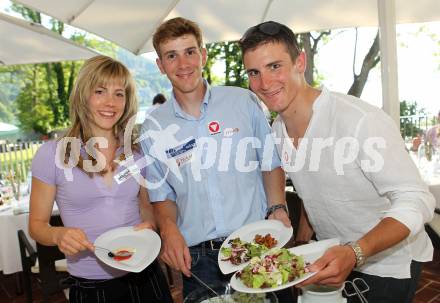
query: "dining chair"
47, 262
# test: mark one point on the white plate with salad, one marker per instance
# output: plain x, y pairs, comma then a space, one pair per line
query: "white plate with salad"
235, 254
274, 271
279, 268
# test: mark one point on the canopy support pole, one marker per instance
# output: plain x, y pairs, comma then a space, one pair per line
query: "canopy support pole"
388, 58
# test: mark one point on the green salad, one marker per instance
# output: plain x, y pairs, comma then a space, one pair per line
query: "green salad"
237, 298
272, 270
241, 251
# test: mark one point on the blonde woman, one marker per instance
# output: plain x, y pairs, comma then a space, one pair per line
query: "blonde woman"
90, 201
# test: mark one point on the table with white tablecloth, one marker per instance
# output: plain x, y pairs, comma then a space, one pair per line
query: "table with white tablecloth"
430, 173
10, 261
11, 221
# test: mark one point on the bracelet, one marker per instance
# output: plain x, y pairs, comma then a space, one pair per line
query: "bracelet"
359, 254
273, 208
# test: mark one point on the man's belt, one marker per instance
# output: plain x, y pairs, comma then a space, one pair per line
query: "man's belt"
213, 244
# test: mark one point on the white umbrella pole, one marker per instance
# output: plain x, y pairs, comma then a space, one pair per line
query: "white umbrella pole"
388, 58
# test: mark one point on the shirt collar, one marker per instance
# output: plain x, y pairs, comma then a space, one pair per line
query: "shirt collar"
179, 112
319, 102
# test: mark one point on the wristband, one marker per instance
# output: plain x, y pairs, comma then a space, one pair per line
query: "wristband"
273, 208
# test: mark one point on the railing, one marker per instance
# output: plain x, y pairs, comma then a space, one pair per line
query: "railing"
16, 158
411, 126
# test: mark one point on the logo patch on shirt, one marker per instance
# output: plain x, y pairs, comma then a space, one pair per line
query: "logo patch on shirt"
214, 127
182, 153
286, 158
229, 132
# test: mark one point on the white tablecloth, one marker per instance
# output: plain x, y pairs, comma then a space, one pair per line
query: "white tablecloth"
10, 261
430, 173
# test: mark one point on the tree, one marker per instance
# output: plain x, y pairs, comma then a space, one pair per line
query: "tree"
214, 51
412, 118
49, 97
370, 61
230, 54
42, 102
310, 46
8, 93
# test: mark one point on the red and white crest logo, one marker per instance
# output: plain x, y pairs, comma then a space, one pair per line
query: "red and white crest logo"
214, 127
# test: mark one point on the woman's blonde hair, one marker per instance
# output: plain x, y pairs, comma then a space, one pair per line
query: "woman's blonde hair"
98, 71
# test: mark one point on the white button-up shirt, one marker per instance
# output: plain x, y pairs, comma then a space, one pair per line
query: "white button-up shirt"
351, 170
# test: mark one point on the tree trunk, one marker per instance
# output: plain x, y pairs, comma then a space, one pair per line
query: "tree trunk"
70, 86
227, 63
310, 46
61, 90
370, 61
53, 104
310, 56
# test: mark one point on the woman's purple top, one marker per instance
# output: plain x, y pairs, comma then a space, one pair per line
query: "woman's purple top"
89, 204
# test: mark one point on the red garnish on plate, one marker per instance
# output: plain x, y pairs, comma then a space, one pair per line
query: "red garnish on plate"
122, 255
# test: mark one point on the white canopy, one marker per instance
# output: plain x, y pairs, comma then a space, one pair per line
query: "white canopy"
130, 23
7, 129
25, 42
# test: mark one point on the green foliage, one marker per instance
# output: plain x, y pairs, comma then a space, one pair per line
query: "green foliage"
214, 51
413, 118
230, 54
8, 93
149, 80
5, 114
35, 96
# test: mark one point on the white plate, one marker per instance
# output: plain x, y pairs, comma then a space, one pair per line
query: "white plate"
247, 233
229, 298
344, 300
310, 252
314, 250
145, 242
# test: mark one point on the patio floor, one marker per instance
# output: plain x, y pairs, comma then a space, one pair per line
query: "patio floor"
427, 292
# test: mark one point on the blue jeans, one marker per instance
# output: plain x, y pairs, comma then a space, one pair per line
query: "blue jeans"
205, 266
389, 290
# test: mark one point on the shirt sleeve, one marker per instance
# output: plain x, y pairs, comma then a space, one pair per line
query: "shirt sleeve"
43, 163
267, 154
156, 178
395, 175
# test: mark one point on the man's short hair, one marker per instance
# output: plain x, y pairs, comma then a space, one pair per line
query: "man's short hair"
175, 28
270, 32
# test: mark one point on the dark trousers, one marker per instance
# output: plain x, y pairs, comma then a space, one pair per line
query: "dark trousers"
150, 285
205, 266
389, 290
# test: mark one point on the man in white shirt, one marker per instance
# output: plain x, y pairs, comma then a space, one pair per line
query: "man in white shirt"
348, 163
